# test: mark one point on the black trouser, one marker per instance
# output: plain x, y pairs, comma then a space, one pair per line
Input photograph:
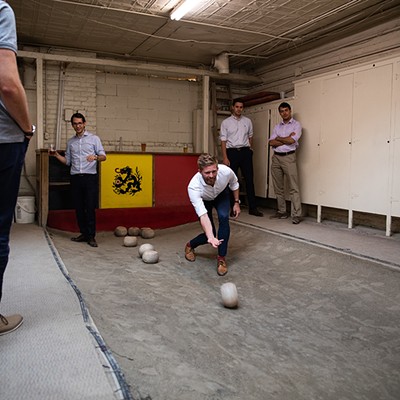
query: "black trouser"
85, 194
243, 158
12, 156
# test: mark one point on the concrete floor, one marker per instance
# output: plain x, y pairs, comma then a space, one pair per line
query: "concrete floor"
318, 314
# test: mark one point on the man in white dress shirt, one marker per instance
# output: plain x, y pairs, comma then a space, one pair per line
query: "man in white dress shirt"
237, 150
210, 188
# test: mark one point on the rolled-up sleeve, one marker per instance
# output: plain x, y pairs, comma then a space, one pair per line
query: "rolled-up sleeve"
196, 200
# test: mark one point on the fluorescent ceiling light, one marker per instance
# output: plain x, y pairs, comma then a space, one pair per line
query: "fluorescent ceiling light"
184, 7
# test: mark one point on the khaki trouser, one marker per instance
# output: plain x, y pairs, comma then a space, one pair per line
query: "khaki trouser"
286, 166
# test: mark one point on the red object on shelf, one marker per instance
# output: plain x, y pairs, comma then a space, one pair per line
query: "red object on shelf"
259, 98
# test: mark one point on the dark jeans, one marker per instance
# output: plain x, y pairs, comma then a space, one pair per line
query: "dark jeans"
243, 158
222, 204
85, 194
12, 157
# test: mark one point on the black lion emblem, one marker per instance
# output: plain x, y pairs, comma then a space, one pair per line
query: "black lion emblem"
126, 182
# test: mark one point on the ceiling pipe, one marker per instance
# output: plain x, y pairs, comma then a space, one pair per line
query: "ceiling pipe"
60, 104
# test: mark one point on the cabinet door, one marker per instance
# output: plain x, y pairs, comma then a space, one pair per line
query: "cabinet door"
336, 122
371, 139
307, 110
395, 194
259, 116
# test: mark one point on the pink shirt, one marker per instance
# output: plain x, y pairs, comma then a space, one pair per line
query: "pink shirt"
283, 130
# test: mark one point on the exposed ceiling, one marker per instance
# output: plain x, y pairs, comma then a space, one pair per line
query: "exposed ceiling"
252, 32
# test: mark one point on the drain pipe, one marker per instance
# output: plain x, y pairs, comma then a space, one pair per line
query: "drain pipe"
60, 106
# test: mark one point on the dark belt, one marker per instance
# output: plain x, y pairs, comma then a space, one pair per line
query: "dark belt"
285, 154
238, 148
82, 174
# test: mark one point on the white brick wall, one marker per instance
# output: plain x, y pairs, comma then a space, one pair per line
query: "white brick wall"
135, 109
79, 95
124, 110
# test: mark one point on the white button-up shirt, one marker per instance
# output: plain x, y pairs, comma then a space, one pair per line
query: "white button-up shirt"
236, 131
199, 190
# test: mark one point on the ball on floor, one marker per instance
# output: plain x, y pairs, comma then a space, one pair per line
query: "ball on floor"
150, 257
229, 295
147, 233
134, 231
120, 231
130, 241
144, 247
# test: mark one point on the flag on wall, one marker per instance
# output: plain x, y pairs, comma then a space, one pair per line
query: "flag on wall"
126, 181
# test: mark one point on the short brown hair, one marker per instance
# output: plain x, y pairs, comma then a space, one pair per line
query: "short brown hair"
205, 160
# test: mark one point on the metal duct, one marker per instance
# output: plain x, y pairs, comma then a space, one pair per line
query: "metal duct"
221, 63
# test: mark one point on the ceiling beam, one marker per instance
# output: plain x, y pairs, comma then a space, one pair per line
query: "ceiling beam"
142, 68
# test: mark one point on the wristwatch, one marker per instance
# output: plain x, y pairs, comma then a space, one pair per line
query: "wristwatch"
31, 133
238, 201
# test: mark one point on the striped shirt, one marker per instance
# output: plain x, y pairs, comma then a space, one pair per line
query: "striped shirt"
78, 148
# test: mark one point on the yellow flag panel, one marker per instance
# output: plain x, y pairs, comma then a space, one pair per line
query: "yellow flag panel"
126, 181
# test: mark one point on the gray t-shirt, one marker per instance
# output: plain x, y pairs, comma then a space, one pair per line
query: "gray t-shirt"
10, 132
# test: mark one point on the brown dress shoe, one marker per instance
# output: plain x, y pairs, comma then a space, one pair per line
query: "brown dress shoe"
222, 269
189, 254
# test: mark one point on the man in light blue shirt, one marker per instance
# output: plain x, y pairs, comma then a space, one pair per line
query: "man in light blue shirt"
83, 151
210, 188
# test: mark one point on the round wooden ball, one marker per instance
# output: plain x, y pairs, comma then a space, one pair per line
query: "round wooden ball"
229, 295
150, 257
130, 241
147, 233
144, 247
120, 231
133, 231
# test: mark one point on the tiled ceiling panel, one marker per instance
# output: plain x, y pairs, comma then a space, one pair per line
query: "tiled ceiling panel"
253, 32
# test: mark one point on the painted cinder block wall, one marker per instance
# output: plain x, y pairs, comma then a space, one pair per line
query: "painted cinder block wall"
124, 110
138, 109
79, 95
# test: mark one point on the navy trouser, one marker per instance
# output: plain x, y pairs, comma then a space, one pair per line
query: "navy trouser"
85, 194
243, 158
12, 156
222, 204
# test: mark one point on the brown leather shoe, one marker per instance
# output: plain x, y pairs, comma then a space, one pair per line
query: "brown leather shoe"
189, 254
222, 269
